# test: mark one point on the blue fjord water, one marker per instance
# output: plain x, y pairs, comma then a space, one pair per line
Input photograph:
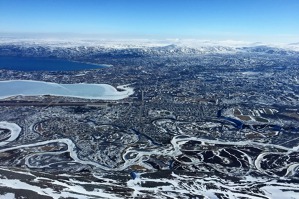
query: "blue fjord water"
43, 64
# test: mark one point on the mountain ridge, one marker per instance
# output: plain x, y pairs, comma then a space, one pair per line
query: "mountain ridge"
57, 49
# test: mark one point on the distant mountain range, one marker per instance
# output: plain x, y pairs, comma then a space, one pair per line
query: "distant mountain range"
139, 48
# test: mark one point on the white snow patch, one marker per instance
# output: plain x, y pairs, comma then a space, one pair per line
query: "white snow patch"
7, 196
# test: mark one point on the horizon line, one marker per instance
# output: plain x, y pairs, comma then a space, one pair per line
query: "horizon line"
269, 39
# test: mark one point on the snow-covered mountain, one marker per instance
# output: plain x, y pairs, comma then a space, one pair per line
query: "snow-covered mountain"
137, 48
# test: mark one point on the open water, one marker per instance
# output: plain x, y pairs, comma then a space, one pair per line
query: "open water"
43, 64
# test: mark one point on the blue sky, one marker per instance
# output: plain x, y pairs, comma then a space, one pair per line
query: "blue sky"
254, 20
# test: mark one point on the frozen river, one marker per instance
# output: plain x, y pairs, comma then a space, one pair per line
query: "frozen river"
82, 90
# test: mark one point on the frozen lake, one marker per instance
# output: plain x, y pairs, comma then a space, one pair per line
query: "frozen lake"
86, 91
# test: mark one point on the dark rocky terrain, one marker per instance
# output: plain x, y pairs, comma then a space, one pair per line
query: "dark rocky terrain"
210, 122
